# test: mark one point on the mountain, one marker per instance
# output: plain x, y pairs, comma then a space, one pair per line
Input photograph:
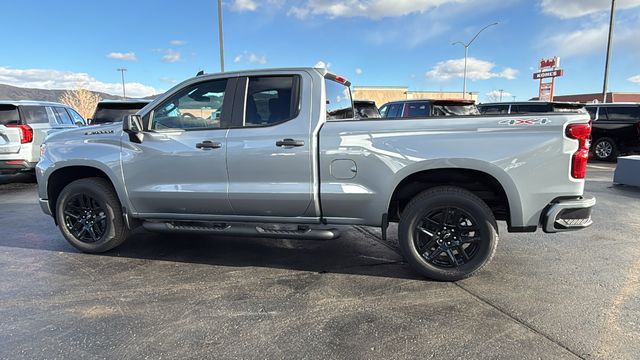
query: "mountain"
8, 92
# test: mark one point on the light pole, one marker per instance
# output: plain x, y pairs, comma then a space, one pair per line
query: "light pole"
501, 92
124, 94
606, 63
466, 54
221, 36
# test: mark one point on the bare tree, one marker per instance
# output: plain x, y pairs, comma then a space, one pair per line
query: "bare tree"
83, 100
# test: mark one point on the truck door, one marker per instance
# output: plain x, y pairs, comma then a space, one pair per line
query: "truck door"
180, 166
270, 147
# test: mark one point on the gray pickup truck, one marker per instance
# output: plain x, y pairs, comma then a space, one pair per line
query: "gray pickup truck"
277, 154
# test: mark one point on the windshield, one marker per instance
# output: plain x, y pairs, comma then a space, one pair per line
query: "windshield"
114, 112
9, 115
455, 110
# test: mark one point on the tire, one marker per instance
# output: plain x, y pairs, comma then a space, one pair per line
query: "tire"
471, 240
605, 149
89, 215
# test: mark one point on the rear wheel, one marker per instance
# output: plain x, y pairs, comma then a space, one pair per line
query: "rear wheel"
89, 215
605, 149
447, 233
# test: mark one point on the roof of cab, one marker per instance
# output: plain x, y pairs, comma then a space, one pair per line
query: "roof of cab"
31, 103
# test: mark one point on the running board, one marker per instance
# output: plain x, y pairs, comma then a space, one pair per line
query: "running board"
243, 230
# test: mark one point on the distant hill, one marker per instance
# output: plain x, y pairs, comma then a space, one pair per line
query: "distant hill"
8, 92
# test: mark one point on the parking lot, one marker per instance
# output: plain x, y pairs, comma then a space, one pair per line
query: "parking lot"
571, 295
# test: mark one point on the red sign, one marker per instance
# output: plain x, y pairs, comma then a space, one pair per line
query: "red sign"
550, 63
548, 74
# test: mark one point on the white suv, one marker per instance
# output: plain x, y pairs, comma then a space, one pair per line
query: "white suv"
23, 127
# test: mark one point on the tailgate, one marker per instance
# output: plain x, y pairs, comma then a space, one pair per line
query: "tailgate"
9, 140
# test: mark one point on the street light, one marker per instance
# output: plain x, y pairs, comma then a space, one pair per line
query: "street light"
124, 94
606, 63
220, 34
466, 53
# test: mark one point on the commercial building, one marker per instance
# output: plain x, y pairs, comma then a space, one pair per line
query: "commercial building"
597, 97
384, 94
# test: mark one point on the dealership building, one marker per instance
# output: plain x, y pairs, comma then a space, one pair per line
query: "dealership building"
597, 97
384, 94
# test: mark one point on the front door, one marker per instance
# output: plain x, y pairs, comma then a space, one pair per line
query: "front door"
270, 149
180, 166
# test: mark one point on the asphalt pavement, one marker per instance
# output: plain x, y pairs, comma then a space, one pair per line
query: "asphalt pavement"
570, 295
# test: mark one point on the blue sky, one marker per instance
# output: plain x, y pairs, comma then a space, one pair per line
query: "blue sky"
73, 43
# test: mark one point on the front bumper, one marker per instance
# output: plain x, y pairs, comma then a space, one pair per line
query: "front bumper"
15, 166
568, 214
44, 205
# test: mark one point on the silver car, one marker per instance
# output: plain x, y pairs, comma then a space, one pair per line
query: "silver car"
23, 127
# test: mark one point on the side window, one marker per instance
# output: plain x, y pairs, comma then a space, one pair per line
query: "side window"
623, 113
417, 109
35, 115
593, 111
196, 107
395, 110
339, 104
62, 117
533, 108
383, 111
271, 100
77, 119
494, 109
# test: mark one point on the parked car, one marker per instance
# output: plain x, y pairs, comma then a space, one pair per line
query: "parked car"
428, 108
616, 129
277, 167
365, 109
23, 127
527, 107
108, 111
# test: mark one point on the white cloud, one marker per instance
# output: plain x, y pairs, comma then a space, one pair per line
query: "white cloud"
567, 9
322, 65
495, 95
358, 71
56, 79
476, 70
591, 39
250, 58
171, 56
168, 80
244, 5
375, 9
177, 42
130, 56
635, 79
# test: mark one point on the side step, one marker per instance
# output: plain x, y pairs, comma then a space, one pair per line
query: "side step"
244, 230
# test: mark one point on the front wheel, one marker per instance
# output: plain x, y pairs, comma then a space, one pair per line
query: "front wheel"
90, 216
447, 233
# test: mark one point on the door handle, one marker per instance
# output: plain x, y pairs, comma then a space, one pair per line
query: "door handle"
207, 144
289, 143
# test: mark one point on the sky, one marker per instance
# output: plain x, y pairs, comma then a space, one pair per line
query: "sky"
78, 43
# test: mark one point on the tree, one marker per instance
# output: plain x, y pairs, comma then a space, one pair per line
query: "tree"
83, 100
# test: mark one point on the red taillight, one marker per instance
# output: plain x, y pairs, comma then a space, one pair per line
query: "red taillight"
580, 132
26, 133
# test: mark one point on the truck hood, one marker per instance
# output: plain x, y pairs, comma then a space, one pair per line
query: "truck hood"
106, 131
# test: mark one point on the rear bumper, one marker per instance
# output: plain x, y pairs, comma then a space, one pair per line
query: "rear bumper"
15, 166
568, 214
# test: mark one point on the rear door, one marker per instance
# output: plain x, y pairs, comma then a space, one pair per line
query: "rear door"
41, 120
270, 149
9, 131
621, 123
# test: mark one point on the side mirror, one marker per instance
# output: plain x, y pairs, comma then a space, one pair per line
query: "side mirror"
132, 125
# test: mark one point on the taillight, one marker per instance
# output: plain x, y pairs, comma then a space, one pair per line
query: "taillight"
26, 133
580, 132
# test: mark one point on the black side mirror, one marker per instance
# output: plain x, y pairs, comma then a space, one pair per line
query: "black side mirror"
132, 125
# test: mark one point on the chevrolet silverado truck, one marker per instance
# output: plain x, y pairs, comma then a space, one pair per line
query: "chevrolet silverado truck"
278, 154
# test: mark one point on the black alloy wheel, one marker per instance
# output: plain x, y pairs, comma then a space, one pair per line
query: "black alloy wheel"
85, 218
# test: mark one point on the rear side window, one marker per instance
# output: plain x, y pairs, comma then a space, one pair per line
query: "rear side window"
9, 115
271, 100
339, 104
35, 115
62, 117
417, 110
623, 113
592, 112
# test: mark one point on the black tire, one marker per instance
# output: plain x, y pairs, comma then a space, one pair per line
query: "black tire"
467, 253
605, 149
103, 218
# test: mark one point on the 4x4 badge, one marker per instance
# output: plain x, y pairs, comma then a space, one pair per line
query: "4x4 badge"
511, 122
